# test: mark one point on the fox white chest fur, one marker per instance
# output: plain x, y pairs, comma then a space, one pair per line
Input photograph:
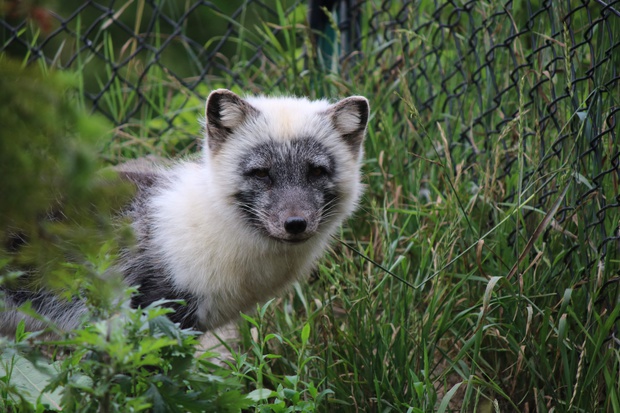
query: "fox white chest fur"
212, 252
276, 179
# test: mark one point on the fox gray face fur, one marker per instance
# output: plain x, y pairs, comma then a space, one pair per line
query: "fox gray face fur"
286, 189
276, 179
296, 165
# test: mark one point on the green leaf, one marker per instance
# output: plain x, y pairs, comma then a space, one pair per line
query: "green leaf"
20, 332
305, 334
233, 400
156, 399
30, 379
249, 319
163, 324
443, 406
261, 394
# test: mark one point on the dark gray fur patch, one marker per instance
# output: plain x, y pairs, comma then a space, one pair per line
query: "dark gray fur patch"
41, 301
289, 166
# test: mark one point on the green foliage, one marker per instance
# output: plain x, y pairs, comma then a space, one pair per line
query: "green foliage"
24, 382
132, 361
56, 202
39, 152
299, 390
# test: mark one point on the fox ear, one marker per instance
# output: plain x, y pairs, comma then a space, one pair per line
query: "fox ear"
225, 111
350, 117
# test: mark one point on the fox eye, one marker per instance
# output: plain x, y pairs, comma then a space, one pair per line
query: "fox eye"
317, 171
260, 173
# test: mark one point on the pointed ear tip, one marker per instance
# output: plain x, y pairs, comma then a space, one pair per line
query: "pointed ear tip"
220, 92
359, 100
216, 97
359, 97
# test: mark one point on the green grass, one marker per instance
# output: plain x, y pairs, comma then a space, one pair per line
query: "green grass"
472, 277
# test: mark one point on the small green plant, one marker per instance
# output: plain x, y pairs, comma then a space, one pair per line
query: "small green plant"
135, 360
300, 390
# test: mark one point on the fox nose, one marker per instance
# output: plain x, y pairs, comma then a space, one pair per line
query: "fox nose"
295, 225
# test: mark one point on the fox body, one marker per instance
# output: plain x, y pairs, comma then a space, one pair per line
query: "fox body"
276, 178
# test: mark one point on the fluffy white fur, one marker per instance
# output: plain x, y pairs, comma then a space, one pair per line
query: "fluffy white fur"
199, 234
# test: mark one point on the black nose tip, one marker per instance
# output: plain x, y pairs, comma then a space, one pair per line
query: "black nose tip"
295, 225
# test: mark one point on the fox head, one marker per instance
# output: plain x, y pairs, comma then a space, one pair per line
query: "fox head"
290, 168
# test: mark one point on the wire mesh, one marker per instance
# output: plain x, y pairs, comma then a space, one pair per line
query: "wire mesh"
131, 44
558, 102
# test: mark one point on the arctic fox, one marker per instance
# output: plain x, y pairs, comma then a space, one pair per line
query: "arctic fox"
276, 178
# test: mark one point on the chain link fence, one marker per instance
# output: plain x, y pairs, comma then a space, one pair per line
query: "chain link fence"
132, 43
558, 102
